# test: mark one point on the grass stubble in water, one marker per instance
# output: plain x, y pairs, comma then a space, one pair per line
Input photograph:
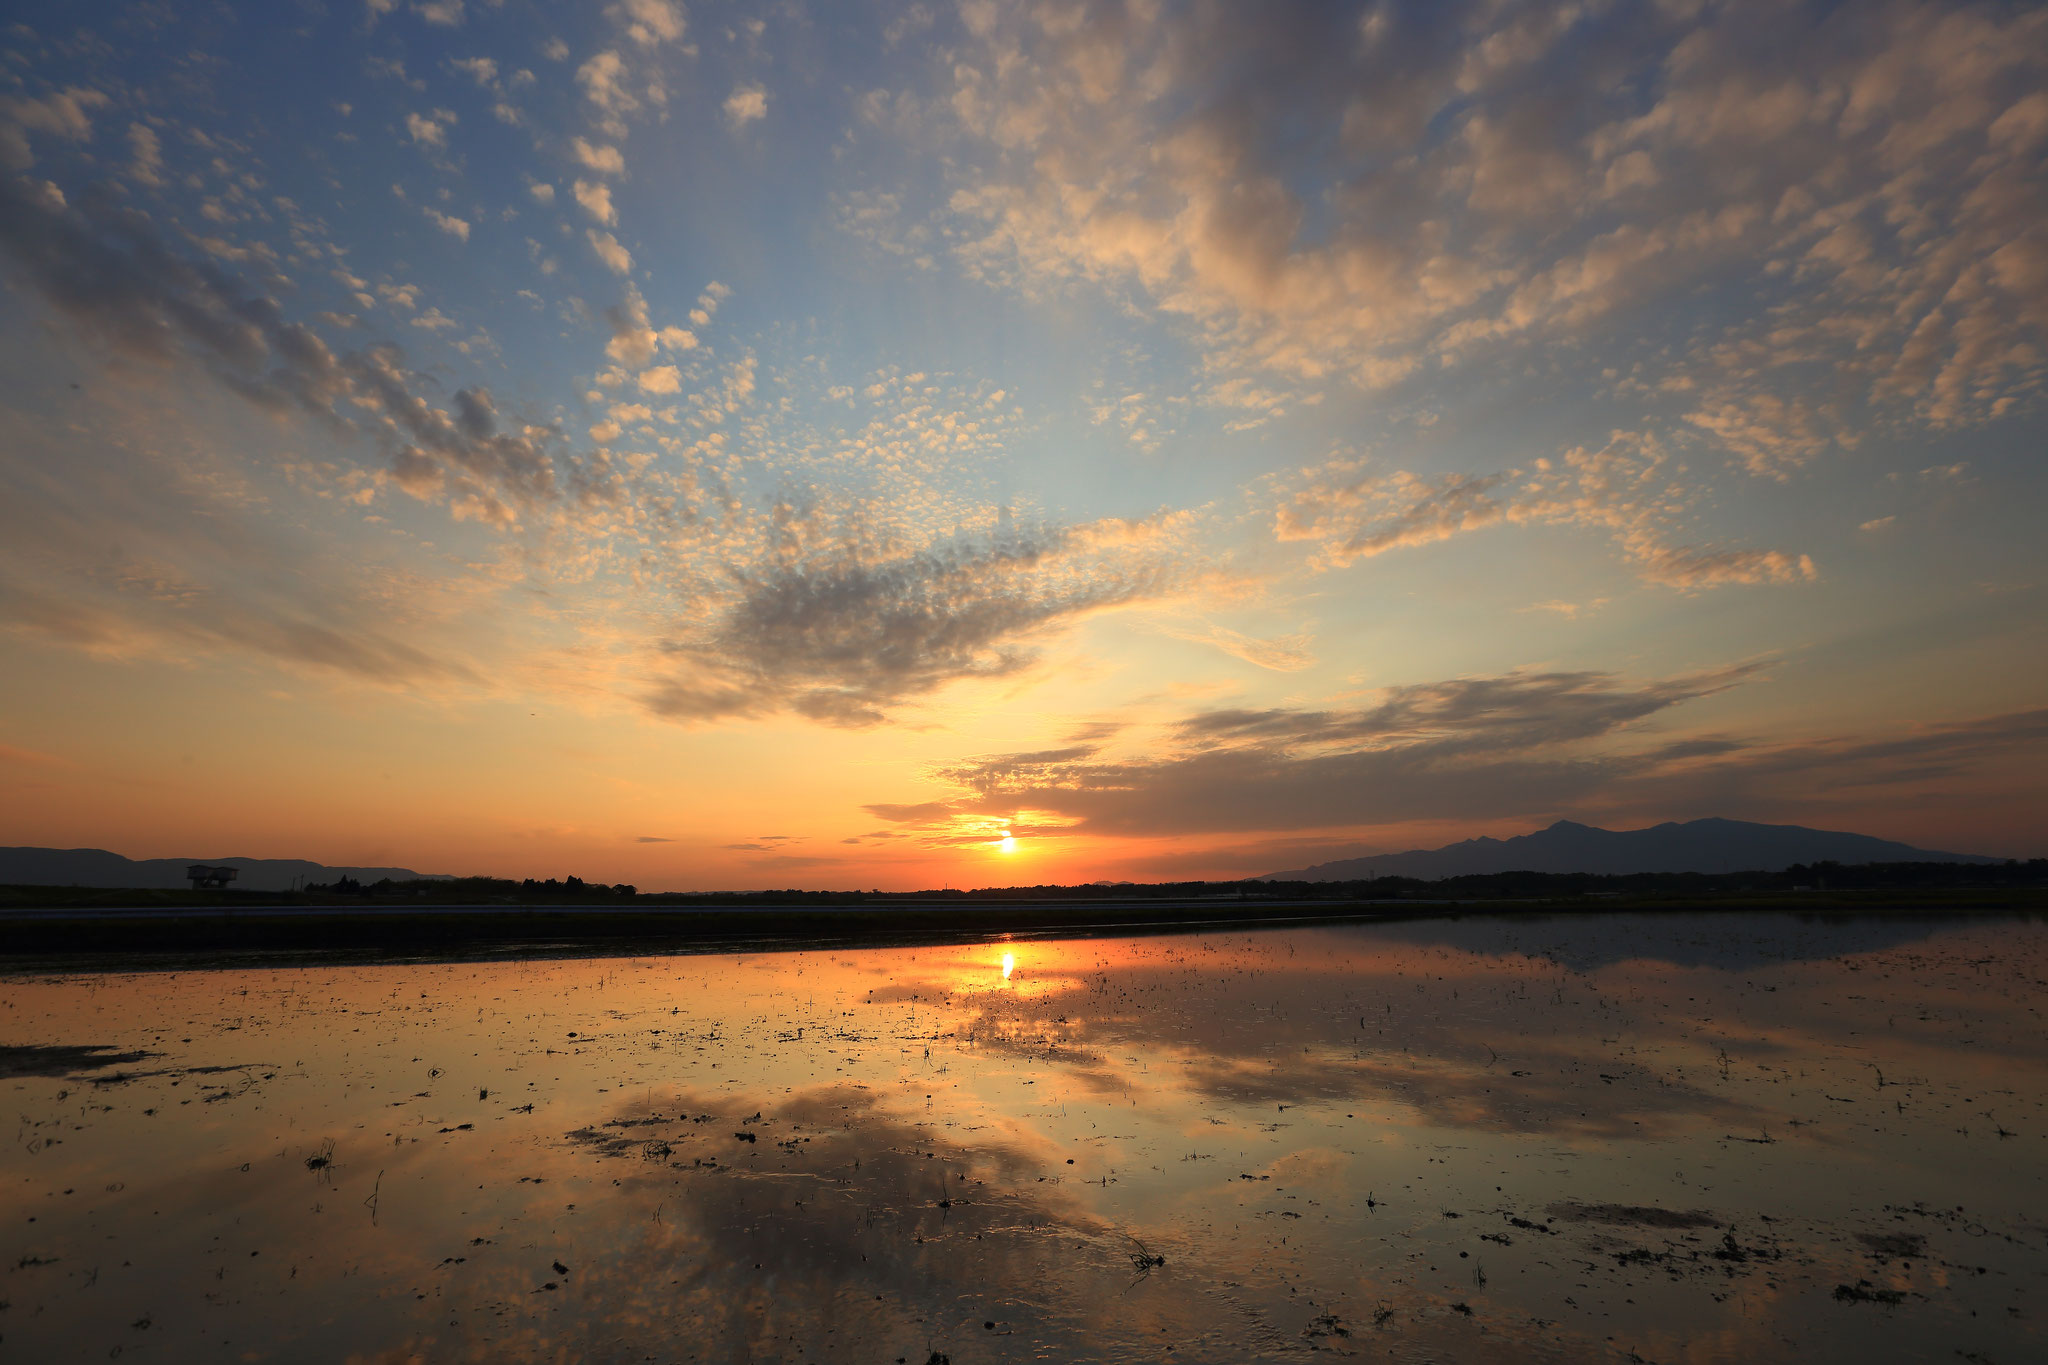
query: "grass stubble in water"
1678, 1138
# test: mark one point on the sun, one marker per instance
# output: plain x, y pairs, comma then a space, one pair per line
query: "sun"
1007, 844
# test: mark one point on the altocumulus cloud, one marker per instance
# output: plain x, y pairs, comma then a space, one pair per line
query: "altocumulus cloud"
839, 630
808, 614
104, 266
1630, 488
1860, 187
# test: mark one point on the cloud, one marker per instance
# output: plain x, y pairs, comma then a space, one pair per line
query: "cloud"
1850, 208
841, 631
603, 79
148, 156
615, 257
633, 336
746, 104
1629, 488
102, 264
1770, 435
1288, 654
1966, 782
840, 608
1405, 510
596, 200
603, 159
920, 813
221, 622
1466, 748
168, 558
454, 227
65, 114
1568, 610
1522, 746
649, 22
430, 132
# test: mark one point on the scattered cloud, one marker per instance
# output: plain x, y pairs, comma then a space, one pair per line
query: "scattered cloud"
596, 200
746, 104
599, 157
1630, 488
453, 226
66, 115
648, 22
1863, 196
147, 149
101, 264
1286, 654
430, 131
615, 257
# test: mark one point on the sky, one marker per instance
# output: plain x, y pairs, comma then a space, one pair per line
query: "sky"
911, 445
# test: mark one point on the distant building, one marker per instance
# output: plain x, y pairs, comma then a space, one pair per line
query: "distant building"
204, 878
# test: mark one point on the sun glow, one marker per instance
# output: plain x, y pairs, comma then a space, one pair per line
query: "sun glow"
1007, 844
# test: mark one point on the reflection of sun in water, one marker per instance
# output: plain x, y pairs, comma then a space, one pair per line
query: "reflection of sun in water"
1009, 965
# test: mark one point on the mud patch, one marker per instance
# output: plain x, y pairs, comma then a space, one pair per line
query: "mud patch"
60, 1061
1632, 1215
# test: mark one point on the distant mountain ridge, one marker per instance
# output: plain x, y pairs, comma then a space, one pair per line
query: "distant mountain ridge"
97, 867
1710, 845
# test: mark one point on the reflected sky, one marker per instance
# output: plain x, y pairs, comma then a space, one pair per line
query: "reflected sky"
1713, 1140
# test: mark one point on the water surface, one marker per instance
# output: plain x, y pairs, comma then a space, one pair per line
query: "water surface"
1682, 1138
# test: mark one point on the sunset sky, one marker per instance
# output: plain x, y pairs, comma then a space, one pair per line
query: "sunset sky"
799, 444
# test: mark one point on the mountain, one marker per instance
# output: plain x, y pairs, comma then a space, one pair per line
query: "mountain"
97, 867
1693, 846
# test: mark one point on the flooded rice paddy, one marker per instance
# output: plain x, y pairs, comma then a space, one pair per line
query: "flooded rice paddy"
1676, 1138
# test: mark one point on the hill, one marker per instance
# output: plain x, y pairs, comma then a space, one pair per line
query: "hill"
1711, 845
97, 867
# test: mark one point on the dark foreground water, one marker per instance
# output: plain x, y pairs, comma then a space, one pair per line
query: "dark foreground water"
1685, 1138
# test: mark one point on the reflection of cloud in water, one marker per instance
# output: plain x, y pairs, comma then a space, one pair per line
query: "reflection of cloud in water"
1726, 942
1557, 1098
843, 1221
1309, 1125
1497, 1041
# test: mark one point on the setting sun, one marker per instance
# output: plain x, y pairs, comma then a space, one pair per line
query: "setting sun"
1007, 844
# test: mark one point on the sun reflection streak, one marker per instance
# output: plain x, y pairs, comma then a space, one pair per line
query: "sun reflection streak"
1009, 964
